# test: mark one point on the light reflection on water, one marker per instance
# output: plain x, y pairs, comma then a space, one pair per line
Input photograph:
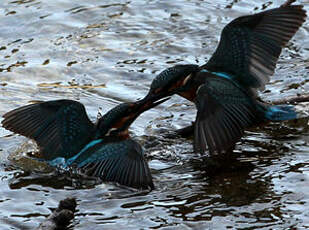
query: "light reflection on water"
46, 47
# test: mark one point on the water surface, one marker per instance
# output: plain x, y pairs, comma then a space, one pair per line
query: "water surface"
103, 53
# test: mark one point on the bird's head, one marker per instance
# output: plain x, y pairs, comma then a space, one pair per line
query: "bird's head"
116, 122
173, 80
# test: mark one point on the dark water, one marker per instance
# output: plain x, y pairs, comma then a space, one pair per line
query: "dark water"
106, 52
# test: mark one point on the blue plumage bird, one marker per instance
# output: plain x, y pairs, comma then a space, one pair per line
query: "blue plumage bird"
62, 130
225, 88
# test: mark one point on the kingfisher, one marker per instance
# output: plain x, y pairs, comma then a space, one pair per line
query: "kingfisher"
65, 135
224, 89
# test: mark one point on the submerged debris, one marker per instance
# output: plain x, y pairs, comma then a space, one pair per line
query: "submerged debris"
61, 217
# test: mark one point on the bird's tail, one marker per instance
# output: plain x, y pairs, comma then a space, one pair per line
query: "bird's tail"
280, 113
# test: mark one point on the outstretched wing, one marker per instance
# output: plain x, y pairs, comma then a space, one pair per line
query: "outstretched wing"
250, 45
223, 111
61, 128
122, 162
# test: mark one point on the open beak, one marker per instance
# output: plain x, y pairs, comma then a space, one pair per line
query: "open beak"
143, 105
156, 97
139, 107
149, 102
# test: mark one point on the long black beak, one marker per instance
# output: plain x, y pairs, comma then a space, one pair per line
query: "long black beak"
148, 103
138, 108
153, 99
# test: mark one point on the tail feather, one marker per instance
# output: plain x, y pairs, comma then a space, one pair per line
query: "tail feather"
280, 113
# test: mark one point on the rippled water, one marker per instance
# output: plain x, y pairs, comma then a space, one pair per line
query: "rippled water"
106, 52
